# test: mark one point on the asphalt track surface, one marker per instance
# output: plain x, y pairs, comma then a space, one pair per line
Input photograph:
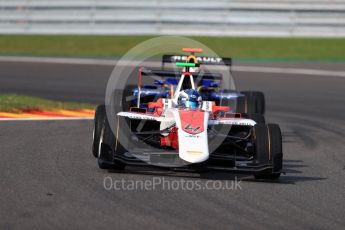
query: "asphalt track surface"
49, 179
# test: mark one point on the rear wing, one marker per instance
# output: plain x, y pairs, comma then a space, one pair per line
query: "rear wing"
201, 60
177, 74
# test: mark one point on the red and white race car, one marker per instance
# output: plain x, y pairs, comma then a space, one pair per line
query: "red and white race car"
182, 130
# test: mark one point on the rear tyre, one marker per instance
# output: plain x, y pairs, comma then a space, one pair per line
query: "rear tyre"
259, 98
100, 116
268, 149
258, 118
108, 148
246, 104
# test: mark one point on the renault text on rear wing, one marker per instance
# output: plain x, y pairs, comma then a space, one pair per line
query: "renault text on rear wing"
201, 60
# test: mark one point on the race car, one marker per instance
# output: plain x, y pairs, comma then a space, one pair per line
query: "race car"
180, 129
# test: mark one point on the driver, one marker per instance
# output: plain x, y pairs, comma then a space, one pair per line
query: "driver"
190, 99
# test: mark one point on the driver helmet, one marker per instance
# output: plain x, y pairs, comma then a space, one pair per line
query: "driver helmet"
190, 98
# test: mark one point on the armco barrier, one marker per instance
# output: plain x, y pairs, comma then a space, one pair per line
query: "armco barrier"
284, 18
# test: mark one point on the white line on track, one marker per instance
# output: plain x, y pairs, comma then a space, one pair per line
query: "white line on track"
237, 68
75, 61
280, 70
53, 60
47, 119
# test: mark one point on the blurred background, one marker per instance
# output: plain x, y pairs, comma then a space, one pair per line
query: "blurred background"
267, 28
276, 18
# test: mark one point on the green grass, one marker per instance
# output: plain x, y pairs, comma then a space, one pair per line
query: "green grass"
290, 49
19, 103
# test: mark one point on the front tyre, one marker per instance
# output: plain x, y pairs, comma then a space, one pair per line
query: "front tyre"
268, 149
109, 147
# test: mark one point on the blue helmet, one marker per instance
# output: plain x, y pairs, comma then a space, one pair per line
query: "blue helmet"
191, 99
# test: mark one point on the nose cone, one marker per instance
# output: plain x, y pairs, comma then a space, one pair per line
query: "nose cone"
192, 135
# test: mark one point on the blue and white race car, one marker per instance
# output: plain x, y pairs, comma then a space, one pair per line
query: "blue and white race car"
184, 120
